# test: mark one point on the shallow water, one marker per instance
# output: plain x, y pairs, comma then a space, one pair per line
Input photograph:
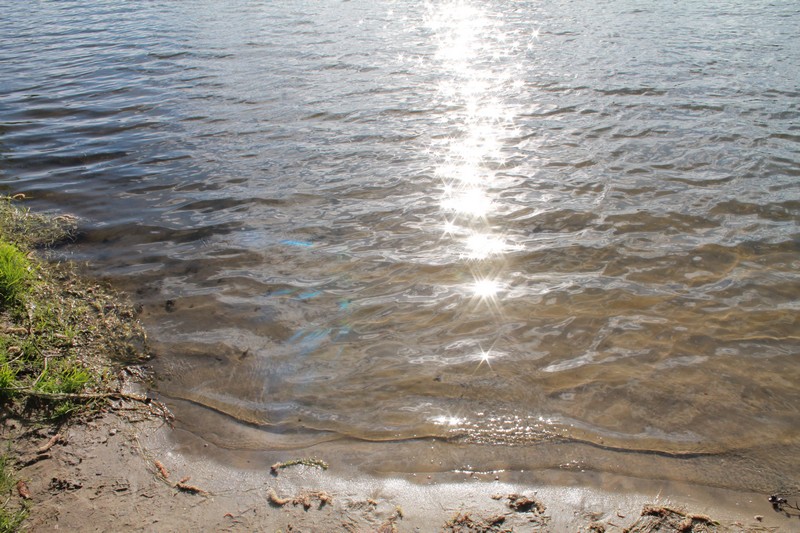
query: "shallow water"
547, 234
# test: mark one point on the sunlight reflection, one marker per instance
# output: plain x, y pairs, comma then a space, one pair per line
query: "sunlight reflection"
487, 292
474, 87
473, 202
485, 357
450, 228
482, 246
448, 420
463, 173
460, 26
477, 69
486, 289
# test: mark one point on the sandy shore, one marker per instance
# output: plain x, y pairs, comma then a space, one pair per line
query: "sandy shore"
123, 471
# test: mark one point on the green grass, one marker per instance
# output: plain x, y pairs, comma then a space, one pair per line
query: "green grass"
10, 520
15, 275
63, 379
8, 379
58, 333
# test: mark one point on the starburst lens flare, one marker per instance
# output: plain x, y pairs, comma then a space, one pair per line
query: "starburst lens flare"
486, 289
450, 228
485, 357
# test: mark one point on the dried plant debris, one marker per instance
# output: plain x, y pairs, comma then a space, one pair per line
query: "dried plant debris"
191, 489
55, 439
469, 523
390, 525
28, 229
305, 498
304, 462
162, 469
524, 504
387, 527
660, 518
23, 491
276, 500
182, 485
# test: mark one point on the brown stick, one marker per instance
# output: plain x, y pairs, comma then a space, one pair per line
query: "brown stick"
190, 489
52, 442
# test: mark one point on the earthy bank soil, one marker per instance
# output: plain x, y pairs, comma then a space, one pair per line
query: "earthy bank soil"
119, 470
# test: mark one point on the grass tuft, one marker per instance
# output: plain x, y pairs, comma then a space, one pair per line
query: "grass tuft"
8, 379
30, 230
58, 333
63, 379
15, 274
10, 520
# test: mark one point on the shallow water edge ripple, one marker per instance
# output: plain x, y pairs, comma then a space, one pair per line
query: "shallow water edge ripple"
537, 234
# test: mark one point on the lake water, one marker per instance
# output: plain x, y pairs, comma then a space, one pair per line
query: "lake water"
521, 235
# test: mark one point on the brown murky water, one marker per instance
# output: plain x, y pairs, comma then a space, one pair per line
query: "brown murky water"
523, 235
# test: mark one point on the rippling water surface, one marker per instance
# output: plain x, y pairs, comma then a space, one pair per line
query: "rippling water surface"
551, 234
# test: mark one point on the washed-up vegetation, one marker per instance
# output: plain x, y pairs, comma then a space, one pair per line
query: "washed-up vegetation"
293, 462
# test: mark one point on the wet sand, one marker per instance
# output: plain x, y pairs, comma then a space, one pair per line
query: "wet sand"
124, 471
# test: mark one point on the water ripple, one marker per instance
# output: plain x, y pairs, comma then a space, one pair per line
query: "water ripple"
503, 223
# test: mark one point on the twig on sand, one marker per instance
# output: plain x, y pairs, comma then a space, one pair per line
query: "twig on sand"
191, 489
49, 444
156, 407
780, 504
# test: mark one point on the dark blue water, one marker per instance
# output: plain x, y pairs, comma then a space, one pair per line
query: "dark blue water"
566, 229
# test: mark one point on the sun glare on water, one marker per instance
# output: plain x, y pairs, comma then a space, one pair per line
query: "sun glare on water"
486, 289
475, 68
482, 246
